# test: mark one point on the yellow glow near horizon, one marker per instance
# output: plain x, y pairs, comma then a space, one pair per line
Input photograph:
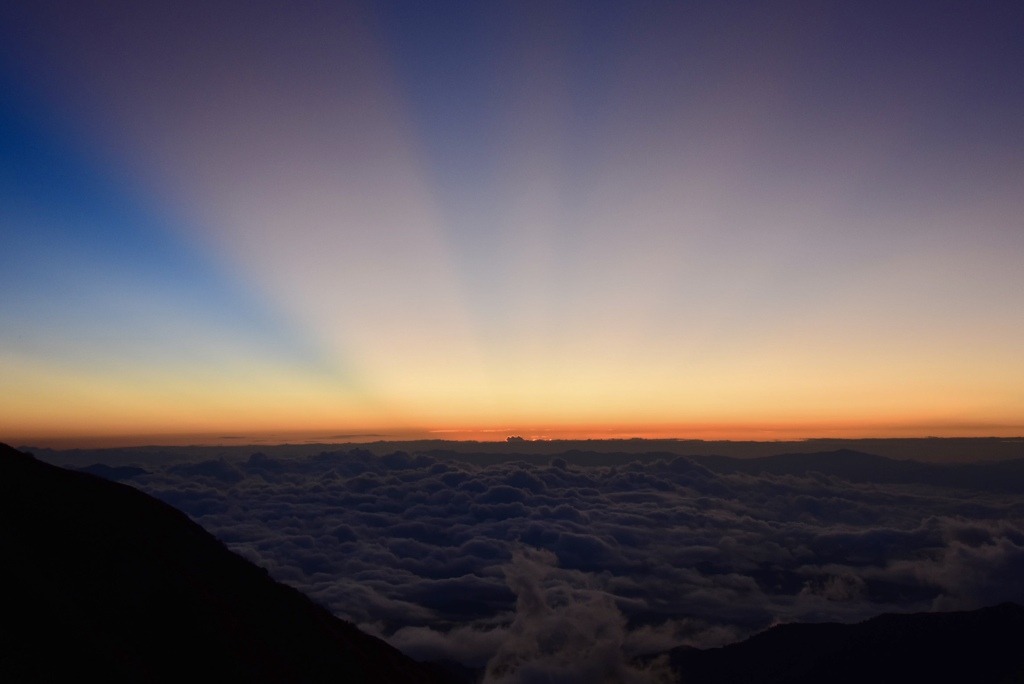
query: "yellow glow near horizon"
671, 254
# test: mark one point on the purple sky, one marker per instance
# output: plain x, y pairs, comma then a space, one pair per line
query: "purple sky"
674, 217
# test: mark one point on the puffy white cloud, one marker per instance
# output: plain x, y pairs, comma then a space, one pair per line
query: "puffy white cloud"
564, 630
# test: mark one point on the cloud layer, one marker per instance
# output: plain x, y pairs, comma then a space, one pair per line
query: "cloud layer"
527, 567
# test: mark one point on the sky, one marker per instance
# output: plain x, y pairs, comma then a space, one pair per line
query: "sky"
719, 220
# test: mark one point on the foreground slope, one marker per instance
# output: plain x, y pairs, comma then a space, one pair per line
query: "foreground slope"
102, 579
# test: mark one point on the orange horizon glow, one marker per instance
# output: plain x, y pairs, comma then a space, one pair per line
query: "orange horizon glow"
707, 433
315, 226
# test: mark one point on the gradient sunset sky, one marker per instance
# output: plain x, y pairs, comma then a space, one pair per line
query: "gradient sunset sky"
693, 219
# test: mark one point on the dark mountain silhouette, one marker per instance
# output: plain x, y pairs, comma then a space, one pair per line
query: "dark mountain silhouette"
855, 466
101, 581
571, 456
985, 645
851, 465
116, 473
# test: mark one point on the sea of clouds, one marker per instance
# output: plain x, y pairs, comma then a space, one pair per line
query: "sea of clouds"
560, 571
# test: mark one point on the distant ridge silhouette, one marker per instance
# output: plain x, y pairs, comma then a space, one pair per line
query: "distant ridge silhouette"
984, 646
103, 582
847, 464
855, 466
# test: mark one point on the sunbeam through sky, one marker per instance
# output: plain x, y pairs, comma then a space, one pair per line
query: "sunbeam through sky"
723, 219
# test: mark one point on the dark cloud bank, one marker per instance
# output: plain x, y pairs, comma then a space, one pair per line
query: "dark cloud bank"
549, 569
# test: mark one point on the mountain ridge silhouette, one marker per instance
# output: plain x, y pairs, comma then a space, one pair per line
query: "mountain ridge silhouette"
982, 645
104, 580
